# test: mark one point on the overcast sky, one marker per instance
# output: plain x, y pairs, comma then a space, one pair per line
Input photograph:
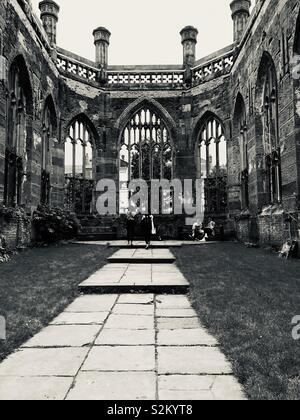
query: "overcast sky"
143, 32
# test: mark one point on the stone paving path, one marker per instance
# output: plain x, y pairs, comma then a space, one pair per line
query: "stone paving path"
122, 347
142, 256
139, 276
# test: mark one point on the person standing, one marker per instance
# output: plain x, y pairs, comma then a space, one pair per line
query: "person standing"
130, 226
147, 229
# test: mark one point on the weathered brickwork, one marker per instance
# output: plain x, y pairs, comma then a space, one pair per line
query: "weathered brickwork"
106, 98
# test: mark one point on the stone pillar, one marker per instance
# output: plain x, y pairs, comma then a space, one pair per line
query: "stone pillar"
240, 14
101, 41
49, 17
189, 40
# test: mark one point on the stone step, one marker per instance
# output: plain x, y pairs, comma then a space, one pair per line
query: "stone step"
137, 271
108, 236
141, 245
176, 289
141, 260
96, 229
142, 256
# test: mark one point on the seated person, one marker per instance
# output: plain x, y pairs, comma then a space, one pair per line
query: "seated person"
285, 250
210, 229
289, 249
197, 231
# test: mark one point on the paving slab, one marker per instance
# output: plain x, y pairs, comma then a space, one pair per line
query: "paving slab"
172, 302
120, 358
121, 266
140, 268
50, 388
193, 387
176, 313
80, 318
114, 386
64, 336
136, 278
138, 310
228, 388
192, 360
177, 323
44, 362
131, 322
103, 278
92, 303
133, 298
161, 269
126, 337
139, 256
185, 337
185, 387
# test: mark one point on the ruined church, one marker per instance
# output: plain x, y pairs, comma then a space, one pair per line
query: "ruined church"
231, 119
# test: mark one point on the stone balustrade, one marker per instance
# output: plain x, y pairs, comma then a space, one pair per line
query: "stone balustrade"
213, 69
143, 79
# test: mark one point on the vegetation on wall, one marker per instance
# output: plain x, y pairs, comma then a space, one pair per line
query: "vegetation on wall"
4, 255
51, 225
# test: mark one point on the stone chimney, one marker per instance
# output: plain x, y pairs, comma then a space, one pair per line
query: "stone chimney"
49, 17
189, 40
101, 41
240, 14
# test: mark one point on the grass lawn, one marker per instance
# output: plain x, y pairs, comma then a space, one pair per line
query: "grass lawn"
37, 284
247, 299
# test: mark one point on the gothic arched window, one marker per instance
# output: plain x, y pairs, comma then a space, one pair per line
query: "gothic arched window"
297, 37
212, 164
79, 155
240, 125
16, 143
79, 151
270, 128
212, 149
146, 150
49, 128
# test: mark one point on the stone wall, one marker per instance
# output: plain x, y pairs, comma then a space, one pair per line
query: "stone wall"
273, 33
271, 30
22, 38
16, 229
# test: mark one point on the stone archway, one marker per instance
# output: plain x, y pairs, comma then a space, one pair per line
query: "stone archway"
80, 152
211, 161
146, 148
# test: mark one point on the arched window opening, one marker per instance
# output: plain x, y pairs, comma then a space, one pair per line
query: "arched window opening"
146, 152
79, 177
16, 150
240, 125
49, 130
297, 37
270, 129
212, 165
